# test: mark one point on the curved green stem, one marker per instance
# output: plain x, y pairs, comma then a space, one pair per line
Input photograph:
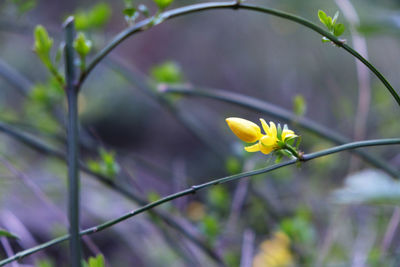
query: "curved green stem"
144, 24
293, 151
278, 112
195, 188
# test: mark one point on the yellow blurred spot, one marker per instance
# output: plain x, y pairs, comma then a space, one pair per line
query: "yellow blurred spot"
274, 252
195, 211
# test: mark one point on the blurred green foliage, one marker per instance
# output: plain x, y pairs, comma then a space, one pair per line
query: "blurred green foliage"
299, 105
219, 198
168, 72
163, 4
93, 18
106, 165
24, 5
44, 263
233, 165
47, 94
210, 227
97, 261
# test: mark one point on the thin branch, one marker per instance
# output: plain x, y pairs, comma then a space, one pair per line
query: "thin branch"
15, 78
123, 190
145, 24
73, 148
247, 248
196, 188
45, 200
390, 231
272, 110
8, 249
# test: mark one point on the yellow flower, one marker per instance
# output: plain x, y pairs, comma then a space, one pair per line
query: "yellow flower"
274, 252
250, 132
246, 130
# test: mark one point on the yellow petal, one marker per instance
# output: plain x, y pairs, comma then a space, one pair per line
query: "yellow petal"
288, 134
268, 140
266, 149
245, 130
253, 148
272, 128
265, 127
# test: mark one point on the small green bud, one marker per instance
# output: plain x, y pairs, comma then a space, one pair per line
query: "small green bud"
43, 44
82, 45
163, 4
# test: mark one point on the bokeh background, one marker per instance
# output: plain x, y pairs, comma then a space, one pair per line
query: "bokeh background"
154, 144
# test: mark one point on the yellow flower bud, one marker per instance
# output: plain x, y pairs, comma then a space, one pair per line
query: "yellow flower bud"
246, 130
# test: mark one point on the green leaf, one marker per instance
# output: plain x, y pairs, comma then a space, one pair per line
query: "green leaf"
330, 24
323, 18
7, 234
167, 72
163, 4
130, 11
338, 29
97, 262
299, 105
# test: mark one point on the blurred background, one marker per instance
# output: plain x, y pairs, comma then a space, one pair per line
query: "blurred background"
333, 211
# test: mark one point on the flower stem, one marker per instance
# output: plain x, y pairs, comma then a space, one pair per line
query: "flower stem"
293, 151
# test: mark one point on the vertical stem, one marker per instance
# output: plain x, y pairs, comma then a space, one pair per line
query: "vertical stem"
73, 153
